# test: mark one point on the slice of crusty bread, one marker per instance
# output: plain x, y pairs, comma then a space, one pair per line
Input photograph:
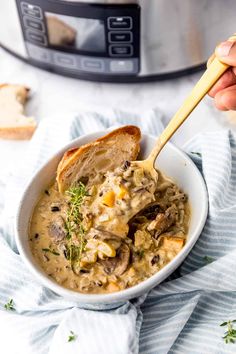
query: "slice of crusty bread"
100, 156
13, 123
59, 32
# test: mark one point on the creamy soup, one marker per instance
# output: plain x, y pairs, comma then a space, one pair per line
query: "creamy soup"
111, 235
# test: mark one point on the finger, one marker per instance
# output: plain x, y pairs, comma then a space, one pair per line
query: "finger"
226, 80
226, 52
226, 99
210, 60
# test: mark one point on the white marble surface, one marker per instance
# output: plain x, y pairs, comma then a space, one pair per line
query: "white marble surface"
56, 95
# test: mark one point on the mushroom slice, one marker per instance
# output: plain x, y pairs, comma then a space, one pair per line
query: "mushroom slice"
109, 265
118, 264
123, 254
56, 229
98, 234
163, 221
102, 234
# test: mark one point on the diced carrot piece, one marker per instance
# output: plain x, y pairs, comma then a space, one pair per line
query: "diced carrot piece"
112, 287
122, 192
109, 199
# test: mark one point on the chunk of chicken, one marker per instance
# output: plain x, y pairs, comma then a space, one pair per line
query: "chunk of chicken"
173, 244
169, 248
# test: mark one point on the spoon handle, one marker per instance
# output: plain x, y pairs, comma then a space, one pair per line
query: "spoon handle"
207, 80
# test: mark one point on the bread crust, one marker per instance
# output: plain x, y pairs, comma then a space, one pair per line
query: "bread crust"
72, 156
17, 133
24, 94
22, 131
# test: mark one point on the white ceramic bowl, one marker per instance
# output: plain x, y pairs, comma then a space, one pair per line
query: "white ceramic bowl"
173, 162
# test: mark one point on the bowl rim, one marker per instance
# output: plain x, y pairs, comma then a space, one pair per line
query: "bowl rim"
137, 289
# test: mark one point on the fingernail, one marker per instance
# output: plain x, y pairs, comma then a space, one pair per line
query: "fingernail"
224, 48
221, 102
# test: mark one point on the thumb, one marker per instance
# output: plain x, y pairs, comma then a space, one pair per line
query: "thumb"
226, 52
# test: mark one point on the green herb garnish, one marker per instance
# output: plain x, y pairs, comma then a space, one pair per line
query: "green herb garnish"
10, 305
230, 334
208, 259
72, 252
51, 251
73, 217
196, 153
73, 222
140, 253
72, 336
76, 194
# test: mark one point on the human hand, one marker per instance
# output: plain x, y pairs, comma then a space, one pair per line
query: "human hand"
224, 91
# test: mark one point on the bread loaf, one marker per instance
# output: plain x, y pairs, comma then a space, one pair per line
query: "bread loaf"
59, 32
100, 156
13, 123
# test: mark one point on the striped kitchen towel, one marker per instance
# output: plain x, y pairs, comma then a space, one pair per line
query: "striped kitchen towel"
182, 315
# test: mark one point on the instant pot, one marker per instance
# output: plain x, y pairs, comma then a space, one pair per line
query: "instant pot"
116, 41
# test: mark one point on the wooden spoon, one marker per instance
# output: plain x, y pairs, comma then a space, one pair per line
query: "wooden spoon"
208, 79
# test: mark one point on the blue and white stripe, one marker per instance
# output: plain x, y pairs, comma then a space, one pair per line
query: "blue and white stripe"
181, 316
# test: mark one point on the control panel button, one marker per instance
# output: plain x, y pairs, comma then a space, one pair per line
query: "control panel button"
36, 37
39, 53
33, 23
92, 65
124, 37
31, 10
121, 66
124, 22
65, 60
121, 50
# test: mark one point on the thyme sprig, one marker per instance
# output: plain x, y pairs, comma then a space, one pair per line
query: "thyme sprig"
9, 305
73, 217
73, 252
72, 336
230, 334
73, 222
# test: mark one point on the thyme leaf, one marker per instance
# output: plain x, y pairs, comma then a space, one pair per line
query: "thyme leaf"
10, 305
230, 334
196, 153
140, 253
51, 251
72, 336
208, 259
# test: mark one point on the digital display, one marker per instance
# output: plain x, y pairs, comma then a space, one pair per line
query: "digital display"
76, 33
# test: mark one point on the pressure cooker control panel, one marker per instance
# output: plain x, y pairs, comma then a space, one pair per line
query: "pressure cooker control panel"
82, 38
